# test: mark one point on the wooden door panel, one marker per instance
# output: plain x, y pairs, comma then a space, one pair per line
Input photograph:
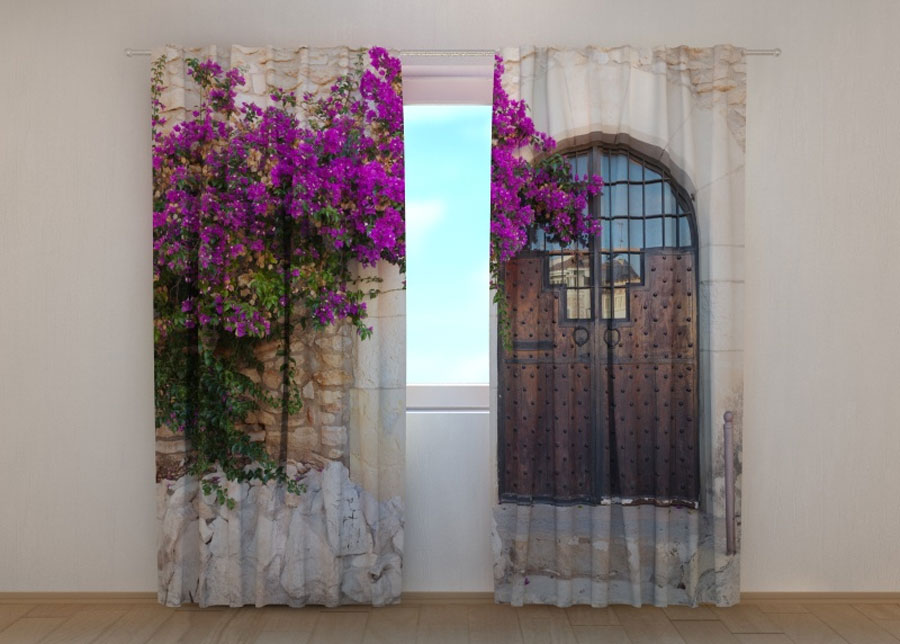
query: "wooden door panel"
614, 414
661, 323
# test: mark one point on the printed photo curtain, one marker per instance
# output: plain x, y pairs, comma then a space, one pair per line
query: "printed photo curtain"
619, 348
279, 252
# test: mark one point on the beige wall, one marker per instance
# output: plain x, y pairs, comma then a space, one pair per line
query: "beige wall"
821, 413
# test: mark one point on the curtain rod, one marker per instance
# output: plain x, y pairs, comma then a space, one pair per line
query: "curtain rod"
775, 53
402, 52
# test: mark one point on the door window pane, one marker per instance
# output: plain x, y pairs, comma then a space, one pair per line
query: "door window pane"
614, 303
578, 304
668, 199
635, 199
670, 227
684, 232
619, 196
636, 234
620, 233
618, 168
637, 267
653, 233
653, 199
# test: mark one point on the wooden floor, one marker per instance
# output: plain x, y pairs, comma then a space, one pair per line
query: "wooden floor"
752, 622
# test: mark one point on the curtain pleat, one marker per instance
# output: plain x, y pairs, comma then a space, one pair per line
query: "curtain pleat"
683, 109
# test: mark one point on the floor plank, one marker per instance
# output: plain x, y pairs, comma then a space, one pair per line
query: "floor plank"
588, 616
647, 625
879, 611
11, 612
392, 624
804, 628
705, 632
892, 626
545, 625
601, 635
689, 613
745, 619
763, 638
443, 625
851, 624
84, 626
29, 630
281, 623
777, 606
190, 626
136, 625
494, 624
280, 637
242, 628
56, 610
336, 627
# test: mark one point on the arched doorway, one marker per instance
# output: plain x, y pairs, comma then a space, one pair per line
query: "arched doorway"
598, 393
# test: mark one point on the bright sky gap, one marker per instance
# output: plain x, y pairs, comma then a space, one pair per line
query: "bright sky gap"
447, 151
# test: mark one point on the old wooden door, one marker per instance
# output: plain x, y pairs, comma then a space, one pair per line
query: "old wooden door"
598, 394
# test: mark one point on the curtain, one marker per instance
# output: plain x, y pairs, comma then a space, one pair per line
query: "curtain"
280, 325
625, 351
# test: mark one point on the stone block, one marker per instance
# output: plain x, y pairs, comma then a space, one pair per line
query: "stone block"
331, 343
327, 418
301, 440
333, 377
267, 351
333, 359
267, 418
272, 379
171, 446
334, 435
253, 374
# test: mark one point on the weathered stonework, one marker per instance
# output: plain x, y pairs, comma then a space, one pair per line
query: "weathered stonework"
333, 544
314, 436
608, 554
324, 370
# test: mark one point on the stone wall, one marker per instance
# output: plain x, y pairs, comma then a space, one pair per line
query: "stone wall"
317, 434
324, 371
334, 543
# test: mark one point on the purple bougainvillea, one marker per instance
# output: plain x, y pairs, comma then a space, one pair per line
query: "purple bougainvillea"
244, 194
526, 195
261, 218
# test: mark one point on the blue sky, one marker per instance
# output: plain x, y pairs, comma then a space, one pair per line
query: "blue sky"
447, 150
